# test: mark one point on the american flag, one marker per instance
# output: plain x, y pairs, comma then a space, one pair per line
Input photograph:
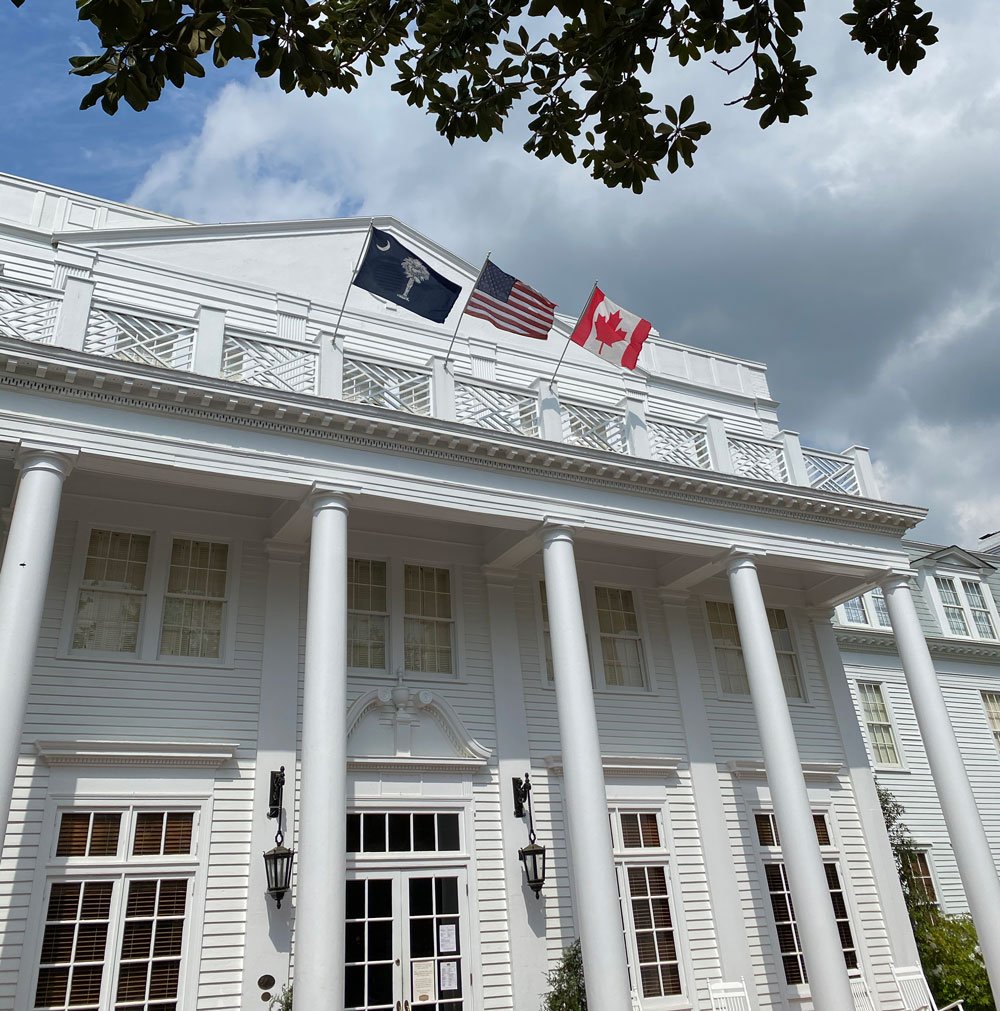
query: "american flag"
510, 304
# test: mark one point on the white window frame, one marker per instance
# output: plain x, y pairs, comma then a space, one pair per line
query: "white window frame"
592, 620
161, 537
871, 620
994, 694
389, 601
959, 577
49, 868
544, 635
630, 801
397, 606
925, 852
793, 632
902, 764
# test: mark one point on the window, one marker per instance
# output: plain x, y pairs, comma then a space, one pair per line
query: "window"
991, 701
428, 623
621, 644
195, 600
402, 832
881, 736
918, 869
112, 592
644, 893
868, 609
782, 907
115, 911
550, 671
967, 609
367, 614
729, 650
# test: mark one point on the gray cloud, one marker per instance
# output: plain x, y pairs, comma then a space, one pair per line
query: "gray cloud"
856, 252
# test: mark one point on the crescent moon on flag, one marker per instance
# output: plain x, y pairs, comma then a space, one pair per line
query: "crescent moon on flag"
383, 249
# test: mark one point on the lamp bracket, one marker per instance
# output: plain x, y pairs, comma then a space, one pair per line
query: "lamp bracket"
276, 793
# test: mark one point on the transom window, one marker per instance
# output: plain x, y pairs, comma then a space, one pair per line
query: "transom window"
782, 907
621, 643
114, 931
403, 832
729, 650
991, 702
428, 621
967, 611
367, 614
868, 609
195, 599
881, 736
644, 893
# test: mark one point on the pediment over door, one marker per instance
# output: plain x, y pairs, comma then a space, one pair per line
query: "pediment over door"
410, 730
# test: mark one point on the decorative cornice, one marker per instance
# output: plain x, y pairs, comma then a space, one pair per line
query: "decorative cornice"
388, 763
754, 769
58, 371
190, 754
885, 642
655, 766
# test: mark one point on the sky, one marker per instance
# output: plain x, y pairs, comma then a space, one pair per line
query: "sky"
855, 251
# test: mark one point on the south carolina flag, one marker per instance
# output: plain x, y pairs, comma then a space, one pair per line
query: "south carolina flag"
612, 333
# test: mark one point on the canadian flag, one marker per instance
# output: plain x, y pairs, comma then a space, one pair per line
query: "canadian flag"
612, 333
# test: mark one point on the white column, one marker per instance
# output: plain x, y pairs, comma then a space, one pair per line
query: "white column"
526, 912
595, 888
24, 577
268, 944
828, 981
322, 844
727, 911
958, 804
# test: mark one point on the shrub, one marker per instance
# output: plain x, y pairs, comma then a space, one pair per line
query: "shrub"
283, 1000
567, 990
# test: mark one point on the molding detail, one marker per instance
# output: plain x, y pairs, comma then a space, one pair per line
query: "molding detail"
403, 712
754, 769
193, 754
625, 765
885, 642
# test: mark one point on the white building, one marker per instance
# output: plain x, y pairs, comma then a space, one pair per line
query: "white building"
247, 534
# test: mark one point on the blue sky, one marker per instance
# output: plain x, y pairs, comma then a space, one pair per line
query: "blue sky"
856, 251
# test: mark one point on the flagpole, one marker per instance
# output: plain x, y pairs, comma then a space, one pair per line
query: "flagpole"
354, 274
454, 336
568, 341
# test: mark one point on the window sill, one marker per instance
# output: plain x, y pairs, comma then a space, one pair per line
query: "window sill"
137, 661
892, 770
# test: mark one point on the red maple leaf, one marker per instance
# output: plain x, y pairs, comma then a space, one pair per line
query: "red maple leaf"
606, 330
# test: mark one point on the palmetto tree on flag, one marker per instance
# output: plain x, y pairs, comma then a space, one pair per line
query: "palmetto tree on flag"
416, 273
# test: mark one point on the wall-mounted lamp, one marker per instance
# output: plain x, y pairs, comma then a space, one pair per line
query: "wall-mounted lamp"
532, 855
278, 861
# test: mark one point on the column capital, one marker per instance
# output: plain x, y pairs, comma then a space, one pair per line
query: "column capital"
673, 598
330, 498
820, 615
557, 529
743, 558
35, 456
896, 577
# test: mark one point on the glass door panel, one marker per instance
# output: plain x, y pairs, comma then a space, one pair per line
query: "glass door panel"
372, 977
435, 941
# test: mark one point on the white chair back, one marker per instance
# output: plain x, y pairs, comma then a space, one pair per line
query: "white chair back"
863, 1000
913, 989
729, 996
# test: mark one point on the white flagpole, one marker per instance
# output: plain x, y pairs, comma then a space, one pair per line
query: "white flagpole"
354, 274
568, 341
454, 336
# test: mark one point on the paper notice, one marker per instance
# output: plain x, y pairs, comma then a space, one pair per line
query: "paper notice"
447, 939
422, 973
449, 976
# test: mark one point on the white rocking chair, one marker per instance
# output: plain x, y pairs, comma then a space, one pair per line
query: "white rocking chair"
916, 993
863, 999
729, 996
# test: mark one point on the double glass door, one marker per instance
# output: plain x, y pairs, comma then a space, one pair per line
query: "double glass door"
406, 941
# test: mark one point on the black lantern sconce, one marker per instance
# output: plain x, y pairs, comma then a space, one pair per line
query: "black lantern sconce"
532, 855
278, 861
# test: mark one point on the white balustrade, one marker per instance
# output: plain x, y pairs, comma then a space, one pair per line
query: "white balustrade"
487, 405
278, 366
758, 458
593, 428
387, 386
679, 444
831, 472
28, 314
166, 343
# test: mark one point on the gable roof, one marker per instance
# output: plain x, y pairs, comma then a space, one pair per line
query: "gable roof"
954, 555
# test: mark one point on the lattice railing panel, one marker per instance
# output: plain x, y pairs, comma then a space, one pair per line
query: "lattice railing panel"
28, 315
593, 428
387, 386
762, 460
679, 444
275, 366
829, 472
501, 410
166, 343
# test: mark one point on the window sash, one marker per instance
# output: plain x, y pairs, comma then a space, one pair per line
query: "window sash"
728, 649
622, 659
975, 597
881, 734
367, 614
194, 604
919, 869
991, 702
856, 612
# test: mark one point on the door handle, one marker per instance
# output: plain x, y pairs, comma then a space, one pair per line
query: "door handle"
406, 1005
398, 1006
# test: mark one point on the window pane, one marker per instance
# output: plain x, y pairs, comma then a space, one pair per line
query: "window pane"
854, 610
427, 646
367, 620
74, 833
881, 736
193, 608
148, 834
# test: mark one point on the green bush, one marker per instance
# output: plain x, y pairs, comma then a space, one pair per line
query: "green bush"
567, 990
948, 945
283, 1000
